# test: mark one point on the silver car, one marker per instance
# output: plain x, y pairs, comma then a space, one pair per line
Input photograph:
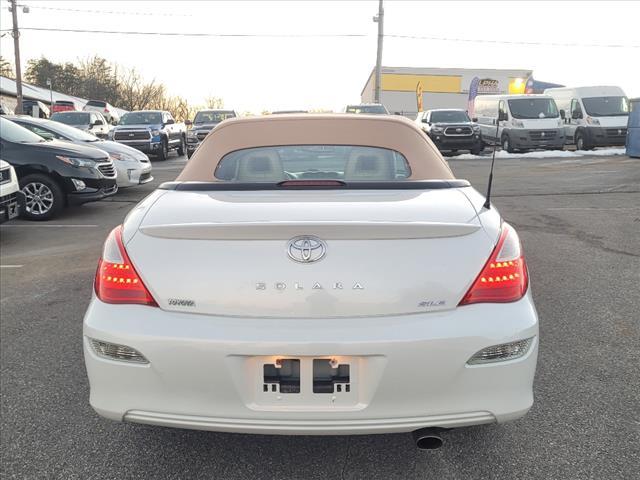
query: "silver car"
133, 166
106, 109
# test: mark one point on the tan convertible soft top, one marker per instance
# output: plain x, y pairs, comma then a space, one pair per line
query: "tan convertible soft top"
391, 132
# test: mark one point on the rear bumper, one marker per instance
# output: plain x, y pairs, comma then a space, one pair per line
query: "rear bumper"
408, 372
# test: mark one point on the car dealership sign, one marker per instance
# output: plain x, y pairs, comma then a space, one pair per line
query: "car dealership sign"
488, 85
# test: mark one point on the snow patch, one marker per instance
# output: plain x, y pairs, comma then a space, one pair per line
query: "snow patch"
605, 152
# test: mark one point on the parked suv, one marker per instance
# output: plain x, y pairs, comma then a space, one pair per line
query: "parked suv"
91, 122
54, 174
107, 110
63, 106
203, 123
151, 131
451, 130
35, 108
367, 108
11, 198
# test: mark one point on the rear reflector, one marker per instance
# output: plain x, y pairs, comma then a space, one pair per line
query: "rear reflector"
504, 278
113, 351
116, 278
502, 352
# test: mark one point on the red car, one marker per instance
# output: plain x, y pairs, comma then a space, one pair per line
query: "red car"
63, 106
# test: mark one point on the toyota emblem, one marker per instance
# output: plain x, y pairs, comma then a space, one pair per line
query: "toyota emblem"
306, 249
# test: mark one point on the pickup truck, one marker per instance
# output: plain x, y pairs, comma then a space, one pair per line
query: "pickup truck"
203, 123
151, 131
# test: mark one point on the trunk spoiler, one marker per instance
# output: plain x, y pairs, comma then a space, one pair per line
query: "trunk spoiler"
309, 184
329, 230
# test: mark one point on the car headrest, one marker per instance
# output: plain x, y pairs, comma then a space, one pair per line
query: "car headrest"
374, 165
260, 167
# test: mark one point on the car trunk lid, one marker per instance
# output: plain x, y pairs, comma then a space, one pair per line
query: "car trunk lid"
386, 252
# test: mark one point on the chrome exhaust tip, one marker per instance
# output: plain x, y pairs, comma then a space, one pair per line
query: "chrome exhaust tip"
428, 438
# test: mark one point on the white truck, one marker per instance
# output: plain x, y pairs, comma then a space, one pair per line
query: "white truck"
11, 198
593, 116
520, 122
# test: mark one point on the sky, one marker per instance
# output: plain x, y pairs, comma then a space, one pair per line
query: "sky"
319, 72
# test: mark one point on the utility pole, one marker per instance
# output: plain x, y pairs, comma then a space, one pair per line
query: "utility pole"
16, 49
379, 19
49, 83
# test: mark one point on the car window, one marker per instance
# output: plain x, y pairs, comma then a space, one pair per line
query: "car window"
576, 111
12, 132
367, 109
42, 132
529, 108
68, 132
212, 117
71, 118
141, 118
449, 116
313, 162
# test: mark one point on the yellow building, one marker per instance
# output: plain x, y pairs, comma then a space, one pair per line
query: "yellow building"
441, 87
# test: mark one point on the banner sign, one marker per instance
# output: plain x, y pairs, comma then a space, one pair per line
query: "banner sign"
473, 93
488, 85
419, 95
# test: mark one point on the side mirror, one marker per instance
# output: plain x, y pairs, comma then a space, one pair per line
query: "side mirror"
576, 114
98, 122
474, 119
424, 120
562, 114
188, 123
170, 121
503, 116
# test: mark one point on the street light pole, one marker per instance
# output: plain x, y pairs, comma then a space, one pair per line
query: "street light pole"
16, 49
380, 20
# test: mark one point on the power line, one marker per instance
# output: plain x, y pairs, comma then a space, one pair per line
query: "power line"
190, 34
110, 12
513, 42
329, 35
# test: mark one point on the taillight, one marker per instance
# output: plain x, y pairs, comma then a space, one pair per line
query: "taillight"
116, 279
504, 278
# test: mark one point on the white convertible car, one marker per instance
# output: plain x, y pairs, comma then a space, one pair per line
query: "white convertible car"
313, 274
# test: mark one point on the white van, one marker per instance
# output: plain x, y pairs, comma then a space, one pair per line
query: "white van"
523, 122
593, 116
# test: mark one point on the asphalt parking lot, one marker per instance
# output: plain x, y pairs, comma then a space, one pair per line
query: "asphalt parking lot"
579, 220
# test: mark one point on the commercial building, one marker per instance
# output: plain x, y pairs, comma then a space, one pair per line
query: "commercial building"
440, 87
8, 98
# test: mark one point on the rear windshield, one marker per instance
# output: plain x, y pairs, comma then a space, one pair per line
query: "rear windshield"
313, 162
96, 103
213, 117
533, 108
71, 118
63, 102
